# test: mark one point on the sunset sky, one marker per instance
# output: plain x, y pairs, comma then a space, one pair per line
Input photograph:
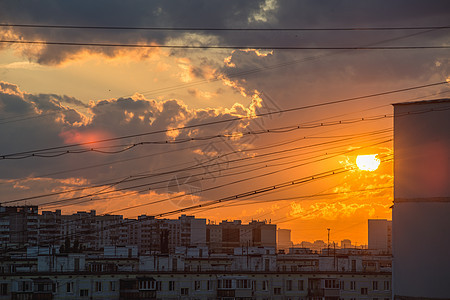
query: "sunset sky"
138, 98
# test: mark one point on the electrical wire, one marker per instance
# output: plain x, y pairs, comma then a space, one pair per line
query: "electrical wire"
284, 129
229, 198
212, 172
266, 189
203, 165
171, 198
5, 156
318, 158
223, 47
222, 28
249, 72
176, 196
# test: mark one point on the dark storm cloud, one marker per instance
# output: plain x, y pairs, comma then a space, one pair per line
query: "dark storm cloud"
117, 13
215, 14
364, 13
32, 120
40, 121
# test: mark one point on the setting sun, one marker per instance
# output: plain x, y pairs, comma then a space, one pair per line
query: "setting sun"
367, 162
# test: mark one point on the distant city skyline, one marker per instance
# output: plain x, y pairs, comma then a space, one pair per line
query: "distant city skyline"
96, 231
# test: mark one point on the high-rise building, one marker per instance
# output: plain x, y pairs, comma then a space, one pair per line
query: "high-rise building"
49, 228
163, 235
380, 235
420, 216
80, 228
226, 236
284, 239
18, 226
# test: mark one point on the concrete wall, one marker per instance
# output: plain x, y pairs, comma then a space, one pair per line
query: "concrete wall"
421, 223
422, 150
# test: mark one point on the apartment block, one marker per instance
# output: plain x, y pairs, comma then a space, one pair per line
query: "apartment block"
194, 273
227, 235
18, 226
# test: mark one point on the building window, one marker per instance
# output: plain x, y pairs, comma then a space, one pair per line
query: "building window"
301, 285
69, 287
267, 264
77, 264
171, 285
375, 285
147, 285
342, 285
331, 284
227, 284
98, 286
352, 285
158, 285
242, 284
24, 286
209, 285
112, 286
84, 293
277, 291
44, 287
4, 289
184, 291
288, 285
387, 285
197, 285
265, 285
364, 291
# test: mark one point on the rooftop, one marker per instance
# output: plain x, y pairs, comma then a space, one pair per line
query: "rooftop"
446, 100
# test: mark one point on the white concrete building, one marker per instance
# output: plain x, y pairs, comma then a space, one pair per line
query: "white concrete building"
420, 217
193, 273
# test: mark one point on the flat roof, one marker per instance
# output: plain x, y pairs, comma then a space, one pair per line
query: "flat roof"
445, 100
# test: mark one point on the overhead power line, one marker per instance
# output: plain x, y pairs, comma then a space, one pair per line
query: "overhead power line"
238, 134
5, 156
210, 204
308, 160
279, 130
220, 28
201, 165
231, 75
235, 47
